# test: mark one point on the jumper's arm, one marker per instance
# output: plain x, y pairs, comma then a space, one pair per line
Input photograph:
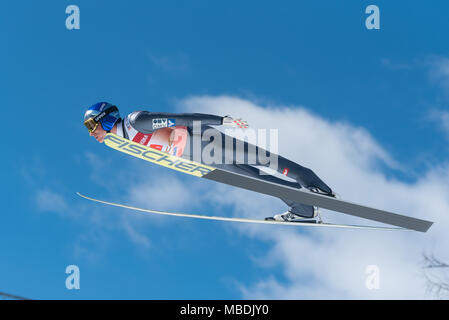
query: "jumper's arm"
148, 122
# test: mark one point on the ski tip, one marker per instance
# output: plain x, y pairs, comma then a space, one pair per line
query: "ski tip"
81, 195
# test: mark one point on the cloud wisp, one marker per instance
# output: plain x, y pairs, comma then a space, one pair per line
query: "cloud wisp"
441, 118
50, 201
439, 71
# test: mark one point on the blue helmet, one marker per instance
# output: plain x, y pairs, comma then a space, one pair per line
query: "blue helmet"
102, 112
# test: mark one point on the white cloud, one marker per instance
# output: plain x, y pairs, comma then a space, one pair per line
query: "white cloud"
137, 237
439, 71
442, 119
396, 65
50, 201
162, 192
170, 63
331, 263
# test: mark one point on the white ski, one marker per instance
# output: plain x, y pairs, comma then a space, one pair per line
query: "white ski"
246, 220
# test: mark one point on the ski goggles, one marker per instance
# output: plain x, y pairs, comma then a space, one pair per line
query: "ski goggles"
91, 125
93, 122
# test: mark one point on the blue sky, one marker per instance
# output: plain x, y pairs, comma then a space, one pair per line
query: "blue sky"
153, 56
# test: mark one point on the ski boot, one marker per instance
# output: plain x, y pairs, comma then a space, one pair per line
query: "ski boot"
292, 217
319, 191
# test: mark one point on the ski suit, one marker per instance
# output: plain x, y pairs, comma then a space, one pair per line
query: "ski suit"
156, 131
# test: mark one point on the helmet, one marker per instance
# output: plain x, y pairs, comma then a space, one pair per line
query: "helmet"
101, 112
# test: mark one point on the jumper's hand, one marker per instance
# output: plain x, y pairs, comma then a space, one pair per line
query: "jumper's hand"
236, 123
176, 135
171, 138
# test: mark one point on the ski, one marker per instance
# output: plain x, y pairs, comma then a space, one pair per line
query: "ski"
244, 220
318, 200
265, 187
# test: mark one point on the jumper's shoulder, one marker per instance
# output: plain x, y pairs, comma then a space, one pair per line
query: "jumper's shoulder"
141, 121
